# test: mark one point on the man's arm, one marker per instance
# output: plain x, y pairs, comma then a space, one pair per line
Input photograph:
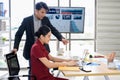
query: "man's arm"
18, 36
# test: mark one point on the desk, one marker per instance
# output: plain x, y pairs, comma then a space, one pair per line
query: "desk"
99, 70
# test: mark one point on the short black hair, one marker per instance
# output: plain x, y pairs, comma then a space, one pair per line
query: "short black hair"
43, 30
40, 5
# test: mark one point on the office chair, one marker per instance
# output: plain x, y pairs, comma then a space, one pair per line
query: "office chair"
54, 70
14, 67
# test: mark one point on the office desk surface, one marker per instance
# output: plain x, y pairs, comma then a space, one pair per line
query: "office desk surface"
99, 70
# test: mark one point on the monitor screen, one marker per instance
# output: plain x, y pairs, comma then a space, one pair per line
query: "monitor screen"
67, 19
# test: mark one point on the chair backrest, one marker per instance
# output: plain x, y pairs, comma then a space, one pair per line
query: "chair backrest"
12, 63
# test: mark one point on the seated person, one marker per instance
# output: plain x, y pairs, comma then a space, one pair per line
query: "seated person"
41, 59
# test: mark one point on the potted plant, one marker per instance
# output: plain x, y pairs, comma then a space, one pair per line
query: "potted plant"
3, 40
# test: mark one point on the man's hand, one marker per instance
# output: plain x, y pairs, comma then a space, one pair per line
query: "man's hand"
14, 50
65, 41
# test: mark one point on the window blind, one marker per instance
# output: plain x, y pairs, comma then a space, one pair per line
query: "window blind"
108, 26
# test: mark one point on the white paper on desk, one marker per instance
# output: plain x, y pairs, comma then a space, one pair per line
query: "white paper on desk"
80, 63
117, 63
104, 60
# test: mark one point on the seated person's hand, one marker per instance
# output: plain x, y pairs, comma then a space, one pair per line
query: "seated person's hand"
71, 63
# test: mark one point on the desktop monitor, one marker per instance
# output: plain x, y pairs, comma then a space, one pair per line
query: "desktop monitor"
67, 19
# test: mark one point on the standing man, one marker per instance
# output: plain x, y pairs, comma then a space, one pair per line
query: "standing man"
30, 25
